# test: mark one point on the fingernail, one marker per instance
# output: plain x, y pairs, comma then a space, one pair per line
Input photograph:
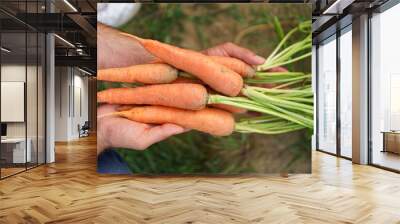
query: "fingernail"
259, 60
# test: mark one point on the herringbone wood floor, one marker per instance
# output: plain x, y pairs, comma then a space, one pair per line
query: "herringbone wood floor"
70, 191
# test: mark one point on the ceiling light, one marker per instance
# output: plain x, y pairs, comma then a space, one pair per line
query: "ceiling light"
84, 71
5, 50
65, 41
70, 5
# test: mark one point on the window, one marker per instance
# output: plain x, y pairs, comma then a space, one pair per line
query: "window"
327, 95
385, 89
346, 75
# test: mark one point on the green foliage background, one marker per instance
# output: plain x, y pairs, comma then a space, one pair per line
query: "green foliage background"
199, 26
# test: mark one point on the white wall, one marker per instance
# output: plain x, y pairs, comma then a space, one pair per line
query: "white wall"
61, 103
70, 84
16, 73
33, 127
80, 102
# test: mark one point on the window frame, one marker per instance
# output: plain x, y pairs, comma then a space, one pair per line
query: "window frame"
341, 29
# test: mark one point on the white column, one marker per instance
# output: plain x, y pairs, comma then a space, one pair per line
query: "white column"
360, 90
50, 98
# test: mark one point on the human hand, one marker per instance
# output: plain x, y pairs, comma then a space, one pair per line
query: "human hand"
114, 131
116, 50
229, 49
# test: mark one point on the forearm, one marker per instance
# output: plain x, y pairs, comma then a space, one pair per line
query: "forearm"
116, 50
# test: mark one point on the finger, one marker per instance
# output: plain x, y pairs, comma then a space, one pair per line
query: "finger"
106, 109
243, 54
123, 133
216, 51
159, 133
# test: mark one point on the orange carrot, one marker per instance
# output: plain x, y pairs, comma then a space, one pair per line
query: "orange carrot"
235, 64
217, 76
229, 108
186, 80
124, 107
185, 96
213, 121
146, 73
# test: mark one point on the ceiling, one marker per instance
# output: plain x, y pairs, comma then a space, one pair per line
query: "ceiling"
74, 21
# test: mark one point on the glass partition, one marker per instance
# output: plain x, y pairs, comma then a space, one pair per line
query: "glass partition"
327, 95
385, 89
41, 96
346, 92
13, 94
22, 91
31, 99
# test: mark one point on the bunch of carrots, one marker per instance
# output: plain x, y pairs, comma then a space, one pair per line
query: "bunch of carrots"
201, 92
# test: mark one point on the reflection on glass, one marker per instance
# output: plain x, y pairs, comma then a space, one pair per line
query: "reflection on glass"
41, 99
14, 153
31, 97
385, 84
22, 90
327, 96
346, 93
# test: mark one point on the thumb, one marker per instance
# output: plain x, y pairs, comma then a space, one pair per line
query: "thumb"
161, 132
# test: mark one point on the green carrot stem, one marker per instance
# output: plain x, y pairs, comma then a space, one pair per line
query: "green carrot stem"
284, 113
267, 66
269, 74
281, 43
303, 120
248, 129
297, 99
264, 99
260, 119
283, 91
277, 79
253, 106
292, 49
289, 53
284, 85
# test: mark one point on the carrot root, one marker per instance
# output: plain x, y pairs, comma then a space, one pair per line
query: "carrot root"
146, 73
184, 96
217, 76
235, 65
209, 120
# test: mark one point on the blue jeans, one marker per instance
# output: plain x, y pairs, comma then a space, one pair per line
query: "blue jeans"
110, 162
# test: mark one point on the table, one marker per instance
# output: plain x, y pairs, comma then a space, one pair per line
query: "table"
18, 149
391, 141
